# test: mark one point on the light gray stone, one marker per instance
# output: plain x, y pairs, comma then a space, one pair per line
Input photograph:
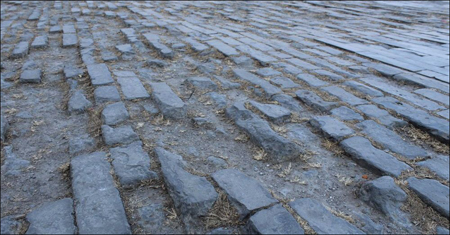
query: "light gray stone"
344, 95
168, 102
222, 47
274, 220
275, 113
11, 225
99, 74
268, 88
363, 88
118, 135
40, 42
132, 88
267, 72
201, 83
69, 40
114, 114
288, 102
80, 144
442, 230
31, 76
432, 193
311, 80
53, 218
4, 127
78, 103
346, 114
312, 99
381, 115
12, 164
284, 82
20, 50
331, 127
438, 165
105, 94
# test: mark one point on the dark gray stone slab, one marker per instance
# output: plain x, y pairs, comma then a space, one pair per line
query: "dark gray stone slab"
381, 115
78, 103
4, 127
274, 220
279, 148
31, 76
284, 82
268, 88
363, 152
132, 88
346, 114
344, 95
131, 164
390, 140
105, 94
40, 42
329, 75
20, 50
162, 49
193, 195
312, 99
223, 48
219, 100
267, 72
363, 88
99, 74
118, 135
438, 165
53, 218
434, 95
201, 83
168, 102
114, 114
320, 219
384, 195
237, 185
70, 40
432, 193
81, 144
72, 72
311, 80
331, 127
225, 84
437, 127
275, 113
288, 102
98, 206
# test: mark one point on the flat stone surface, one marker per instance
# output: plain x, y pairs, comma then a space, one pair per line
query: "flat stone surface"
4, 127
288, 102
434, 95
98, 206
331, 127
201, 83
20, 50
99, 74
72, 72
131, 164
391, 140
69, 40
444, 113
363, 88
312, 99
222, 47
344, 95
432, 193
311, 80
106, 94
277, 114
268, 88
31, 76
237, 185
55, 29
11, 225
78, 103
132, 88
114, 114
53, 218
274, 220
438, 165
320, 219
284, 82
346, 114
118, 135
168, 102
193, 196
40, 42
81, 144
267, 72
381, 115
363, 152
153, 40
125, 49
12, 164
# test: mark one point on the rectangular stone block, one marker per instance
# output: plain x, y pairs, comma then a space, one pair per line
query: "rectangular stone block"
132, 88
99, 74
168, 102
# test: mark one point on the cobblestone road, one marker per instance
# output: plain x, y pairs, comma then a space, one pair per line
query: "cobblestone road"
224, 117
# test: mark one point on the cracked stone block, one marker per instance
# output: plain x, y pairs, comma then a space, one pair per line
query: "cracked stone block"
53, 218
78, 103
277, 114
381, 115
168, 102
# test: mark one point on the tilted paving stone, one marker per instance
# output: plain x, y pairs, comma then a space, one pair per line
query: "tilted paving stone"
275, 113
259, 56
320, 219
331, 76
225, 84
99, 74
53, 218
118, 135
311, 80
444, 113
287, 68
131, 164
69, 28
267, 72
195, 45
70, 40
434, 95
233, 182
332, 127
346, 114
268, 88
432, 193
390, 140
98, 206
78, 103
132, 88
201, 83
20, 50
363, 88
223, 48
279, 148
193, 195
55, 29
40, 42
415, 79
438, 165
381, 115
437, 127
344, 95
312, 99
162, 49
72, 71
284, 82
168, 102
365, 154
105, 94
274, 220
288, 102
31, 76
114, 114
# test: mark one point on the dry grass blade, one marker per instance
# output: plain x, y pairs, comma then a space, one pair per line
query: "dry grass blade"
222, 214
260, 155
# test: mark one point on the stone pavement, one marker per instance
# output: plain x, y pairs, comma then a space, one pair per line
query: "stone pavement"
224, 117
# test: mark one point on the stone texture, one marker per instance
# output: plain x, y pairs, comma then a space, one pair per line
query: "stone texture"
268, 88
237, 185
201, 83
311, 80
288, 102
223, 48
363, 152
363, 89
320, 219
381, 115
331, 127
99, 74
11, 225
344, 95
275, 113
168, 102
12, 164
78, 103
114, 114
20, 50
69, 40
284, 82
4, 127
40, 42
432, 193
274, 220
346, 114
118, 135
132, 88
312, 99
105, 94
31, 76
53, 218
438, 165
80, 144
